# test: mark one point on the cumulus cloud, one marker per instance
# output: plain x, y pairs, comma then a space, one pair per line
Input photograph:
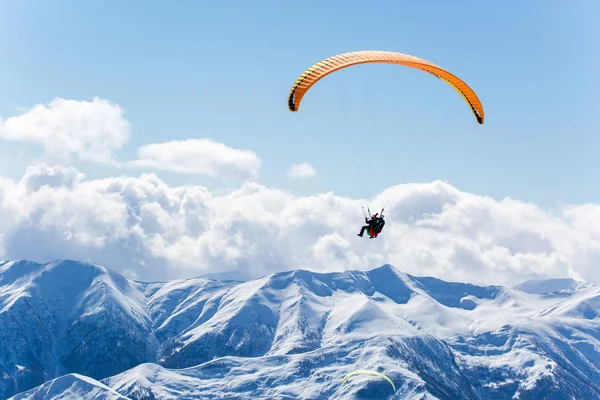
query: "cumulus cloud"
302, 171
91, 130
94, 130
42, 175
151, 230
200, 156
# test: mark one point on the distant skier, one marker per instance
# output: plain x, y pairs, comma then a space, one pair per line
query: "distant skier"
374, 225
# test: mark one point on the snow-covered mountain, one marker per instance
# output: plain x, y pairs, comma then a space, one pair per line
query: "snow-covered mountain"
82, 330
544, 286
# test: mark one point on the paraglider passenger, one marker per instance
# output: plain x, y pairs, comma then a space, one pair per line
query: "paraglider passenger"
374, 225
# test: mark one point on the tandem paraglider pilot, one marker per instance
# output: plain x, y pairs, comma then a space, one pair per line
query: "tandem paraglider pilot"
374, 225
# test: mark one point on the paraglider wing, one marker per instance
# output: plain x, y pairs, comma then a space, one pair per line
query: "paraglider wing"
335, 63
370, 372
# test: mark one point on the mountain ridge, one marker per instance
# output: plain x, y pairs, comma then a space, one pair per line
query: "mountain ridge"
299, 331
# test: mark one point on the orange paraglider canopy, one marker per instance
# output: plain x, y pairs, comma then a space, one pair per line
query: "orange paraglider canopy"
335, 63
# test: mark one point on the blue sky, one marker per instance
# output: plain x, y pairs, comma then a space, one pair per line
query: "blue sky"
223, 70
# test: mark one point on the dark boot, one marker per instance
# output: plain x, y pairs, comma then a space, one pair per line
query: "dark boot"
362, 230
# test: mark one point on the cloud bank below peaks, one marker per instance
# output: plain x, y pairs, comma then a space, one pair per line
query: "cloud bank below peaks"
150, 230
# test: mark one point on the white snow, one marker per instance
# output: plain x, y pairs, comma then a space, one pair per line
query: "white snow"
71, 386
542, 286
293, 335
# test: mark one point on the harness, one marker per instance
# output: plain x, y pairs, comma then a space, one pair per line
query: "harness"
375, 227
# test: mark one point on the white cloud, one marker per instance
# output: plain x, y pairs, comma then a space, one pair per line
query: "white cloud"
146, 228
302, 171
200, 156
42, 175
91, 130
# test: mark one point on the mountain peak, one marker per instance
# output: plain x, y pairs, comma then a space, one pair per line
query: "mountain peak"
546, 286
